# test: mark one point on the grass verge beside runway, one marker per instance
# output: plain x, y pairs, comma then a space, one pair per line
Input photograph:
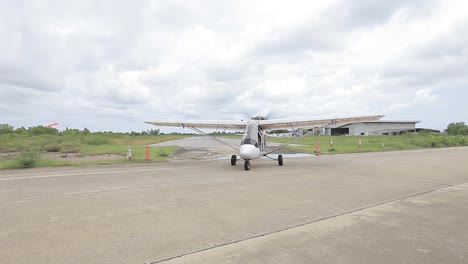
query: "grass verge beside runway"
350, 144
157, 154
19, 151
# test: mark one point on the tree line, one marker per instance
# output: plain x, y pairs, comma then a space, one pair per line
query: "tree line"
454, 128
41, 130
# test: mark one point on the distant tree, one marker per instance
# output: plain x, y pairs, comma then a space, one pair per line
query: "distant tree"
71, 132
86, 131
6, 129
21, 130
458, 128
40, 130
154, 132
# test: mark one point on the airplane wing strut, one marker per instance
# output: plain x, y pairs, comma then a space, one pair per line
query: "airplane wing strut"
290, 142
214, 138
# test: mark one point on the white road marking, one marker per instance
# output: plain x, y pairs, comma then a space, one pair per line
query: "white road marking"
86, 173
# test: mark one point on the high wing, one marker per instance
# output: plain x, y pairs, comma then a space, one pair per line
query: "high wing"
309, 123
213, 124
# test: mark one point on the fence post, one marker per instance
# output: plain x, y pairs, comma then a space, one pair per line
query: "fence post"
129, 152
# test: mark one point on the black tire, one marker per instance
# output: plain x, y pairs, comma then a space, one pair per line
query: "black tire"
247, 165
280, 160
233, 160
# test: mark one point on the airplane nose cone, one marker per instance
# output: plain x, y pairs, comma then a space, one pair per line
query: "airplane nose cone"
248, 151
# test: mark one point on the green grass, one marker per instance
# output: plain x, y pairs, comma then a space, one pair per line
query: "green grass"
349, 144
9, 164
83, 145
100, 144
157, 154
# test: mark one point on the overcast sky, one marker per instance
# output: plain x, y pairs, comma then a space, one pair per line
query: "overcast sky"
111, 65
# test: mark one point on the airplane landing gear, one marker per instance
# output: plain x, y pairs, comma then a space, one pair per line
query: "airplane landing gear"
280, 160
233, 160
247, 165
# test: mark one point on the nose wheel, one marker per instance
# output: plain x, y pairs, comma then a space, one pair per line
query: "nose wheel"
247, 165
233, 160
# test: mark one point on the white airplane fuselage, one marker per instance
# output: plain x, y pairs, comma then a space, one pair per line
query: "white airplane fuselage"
252, 144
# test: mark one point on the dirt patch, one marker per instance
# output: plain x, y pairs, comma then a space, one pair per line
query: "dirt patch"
66, 156
76, 157
8, 154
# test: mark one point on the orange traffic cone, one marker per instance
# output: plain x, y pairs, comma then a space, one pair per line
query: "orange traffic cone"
147, 153
317, 149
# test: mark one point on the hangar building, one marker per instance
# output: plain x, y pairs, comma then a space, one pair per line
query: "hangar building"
379, 127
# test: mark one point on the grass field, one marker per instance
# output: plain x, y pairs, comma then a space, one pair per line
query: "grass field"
20, 150
348, 144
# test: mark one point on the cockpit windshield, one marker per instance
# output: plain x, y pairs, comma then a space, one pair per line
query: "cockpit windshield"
251, 133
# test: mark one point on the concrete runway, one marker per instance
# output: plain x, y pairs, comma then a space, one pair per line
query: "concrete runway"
393, 207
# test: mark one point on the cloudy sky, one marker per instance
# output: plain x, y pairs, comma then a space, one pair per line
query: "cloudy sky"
110, 65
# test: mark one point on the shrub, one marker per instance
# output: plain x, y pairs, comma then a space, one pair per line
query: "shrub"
68, 148
445, 142
95, 140
6, 129
12, 142
52, 147
28, 159
40, 130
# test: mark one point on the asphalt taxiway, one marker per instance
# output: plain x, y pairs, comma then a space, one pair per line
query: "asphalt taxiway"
388, 207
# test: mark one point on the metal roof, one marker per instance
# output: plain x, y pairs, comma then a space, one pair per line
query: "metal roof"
393, 121
376, 121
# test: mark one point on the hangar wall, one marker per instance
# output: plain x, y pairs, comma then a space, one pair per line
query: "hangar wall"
374, 127
379, 128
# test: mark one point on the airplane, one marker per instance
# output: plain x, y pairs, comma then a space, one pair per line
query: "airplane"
253, 143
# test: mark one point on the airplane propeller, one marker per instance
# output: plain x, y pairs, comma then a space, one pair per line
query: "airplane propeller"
270, 114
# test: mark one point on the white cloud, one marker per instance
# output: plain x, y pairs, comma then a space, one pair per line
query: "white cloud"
423, 96
125, 62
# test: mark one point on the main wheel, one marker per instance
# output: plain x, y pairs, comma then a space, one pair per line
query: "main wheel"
247, 165
233, 160
280, 160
